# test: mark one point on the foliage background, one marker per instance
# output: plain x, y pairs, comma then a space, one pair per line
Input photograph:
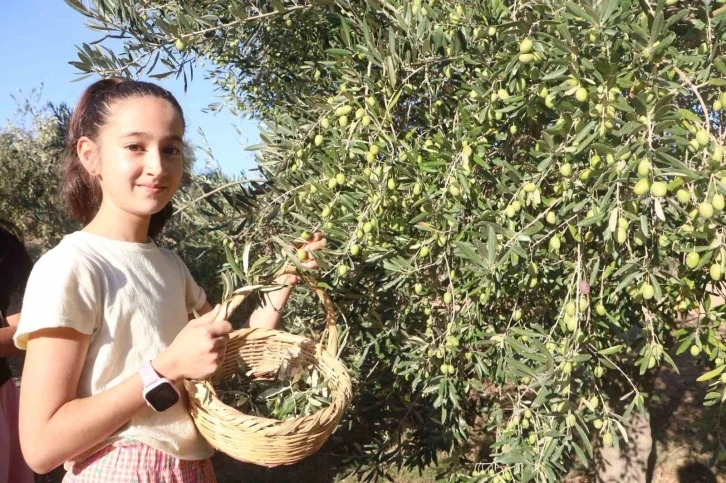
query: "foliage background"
509, 268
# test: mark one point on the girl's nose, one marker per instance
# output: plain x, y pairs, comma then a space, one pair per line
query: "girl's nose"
153, 162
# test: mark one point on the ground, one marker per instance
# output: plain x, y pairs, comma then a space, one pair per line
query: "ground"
676, 449
676, 455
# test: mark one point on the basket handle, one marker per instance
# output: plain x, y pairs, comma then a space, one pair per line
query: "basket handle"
231, 303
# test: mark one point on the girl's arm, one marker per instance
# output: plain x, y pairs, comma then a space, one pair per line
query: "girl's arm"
268, 315
265, 316
56, 425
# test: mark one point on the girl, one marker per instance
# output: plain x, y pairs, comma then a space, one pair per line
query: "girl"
15, 266
106, 322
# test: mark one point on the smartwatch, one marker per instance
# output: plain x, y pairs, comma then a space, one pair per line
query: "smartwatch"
159, 392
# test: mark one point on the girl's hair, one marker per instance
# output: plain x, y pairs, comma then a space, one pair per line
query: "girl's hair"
80, 190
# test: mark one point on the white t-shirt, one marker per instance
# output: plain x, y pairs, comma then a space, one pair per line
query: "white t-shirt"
133, 300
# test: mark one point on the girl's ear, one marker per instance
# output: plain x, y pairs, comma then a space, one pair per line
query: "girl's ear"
86, 149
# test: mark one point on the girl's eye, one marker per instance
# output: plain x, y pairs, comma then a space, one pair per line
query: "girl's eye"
172, 151
134, 147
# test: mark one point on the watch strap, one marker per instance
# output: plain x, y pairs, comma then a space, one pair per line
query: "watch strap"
148, 374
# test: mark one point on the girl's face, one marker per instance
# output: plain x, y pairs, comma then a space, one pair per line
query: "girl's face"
138, 157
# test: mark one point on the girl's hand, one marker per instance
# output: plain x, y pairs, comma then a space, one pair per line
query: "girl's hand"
314, 243
198, 350
268, 315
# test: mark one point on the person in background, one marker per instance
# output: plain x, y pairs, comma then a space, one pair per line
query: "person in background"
15, 267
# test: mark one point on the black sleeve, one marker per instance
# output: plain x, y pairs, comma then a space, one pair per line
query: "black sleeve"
15, 267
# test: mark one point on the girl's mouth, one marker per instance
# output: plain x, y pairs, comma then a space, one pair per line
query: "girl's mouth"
152, 188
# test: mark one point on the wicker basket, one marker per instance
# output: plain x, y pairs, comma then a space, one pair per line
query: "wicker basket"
263, 441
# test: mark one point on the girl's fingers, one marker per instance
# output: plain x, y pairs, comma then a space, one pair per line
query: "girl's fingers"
220, 343
221, 328
316, 245
287, 279
312, 264
207, 318
290, 280
317, 240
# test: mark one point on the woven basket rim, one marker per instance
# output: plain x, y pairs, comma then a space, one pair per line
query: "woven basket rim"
213, 405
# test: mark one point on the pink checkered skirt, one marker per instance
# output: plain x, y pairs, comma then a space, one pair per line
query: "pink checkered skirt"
13, 468
130, 461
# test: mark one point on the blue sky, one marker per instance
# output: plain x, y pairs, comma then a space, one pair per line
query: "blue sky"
38, 40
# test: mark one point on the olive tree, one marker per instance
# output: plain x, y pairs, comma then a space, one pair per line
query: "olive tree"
31, 153
523, 199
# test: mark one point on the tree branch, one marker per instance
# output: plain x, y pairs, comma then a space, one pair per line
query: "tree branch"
693, 87
218, 189
245, 20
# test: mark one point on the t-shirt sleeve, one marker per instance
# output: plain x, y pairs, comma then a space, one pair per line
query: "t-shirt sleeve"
63, 290
16, 265
195, 296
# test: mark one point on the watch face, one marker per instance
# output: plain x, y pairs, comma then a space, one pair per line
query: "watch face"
162, 397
